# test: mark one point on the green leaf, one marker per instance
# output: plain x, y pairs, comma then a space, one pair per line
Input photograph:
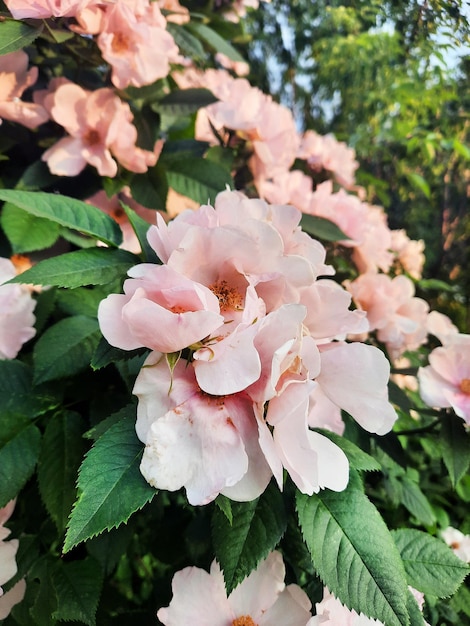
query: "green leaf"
415, 501
322, 228
101, 427
416, 617
419, 183
15, 35
199, 180
461, 600
27, 232
17, 395
18, 457
45, 601
255, 531
184, 101
215, 41
110, 484
67, 212
188, 44
430, 565
65, 348
62, 450
93, 266
151, 189
141, 228
78, 588
455, 445
106, 354
461, 149
80, 301
348, 541
358, 459
225, 505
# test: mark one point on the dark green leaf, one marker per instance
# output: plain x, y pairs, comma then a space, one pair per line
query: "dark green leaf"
27, 232
184, 101
225, 505
18, 457
322, 228
199, 180
17, 395
67, 212
151, 189
348, 539
430, 565
415, 501
215, 41
188, 44
93, 266
255, 531
15, 35
80, 301
455, 445
110, 484
141, 228
65, 348
62, 450
100, 428
78, 588
106, 354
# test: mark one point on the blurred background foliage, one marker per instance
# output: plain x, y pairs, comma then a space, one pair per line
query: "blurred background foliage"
391, 79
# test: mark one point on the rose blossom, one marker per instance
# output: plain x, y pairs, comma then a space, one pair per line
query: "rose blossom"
262, 599
409, 253
326, 152
42, 9
99, 125
441, 327
445, 382
8, 567
459, 542
15, 78
16, 313
399, 318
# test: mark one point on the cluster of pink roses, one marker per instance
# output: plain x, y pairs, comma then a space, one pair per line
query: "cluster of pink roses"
260, 354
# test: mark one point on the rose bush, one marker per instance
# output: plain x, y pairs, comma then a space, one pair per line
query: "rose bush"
200, 315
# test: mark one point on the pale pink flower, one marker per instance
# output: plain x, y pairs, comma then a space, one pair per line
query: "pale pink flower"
206, 444
408, 252
459, 542
365, 225
441, 327
16, 313
42, 9
113, 207
134, 41
262, 599
330, 612
160, 309
99, 125
445, 382
354, 377
15, 78
399, 318
8, 567
240, 68
289, 187
325, 152
178, 13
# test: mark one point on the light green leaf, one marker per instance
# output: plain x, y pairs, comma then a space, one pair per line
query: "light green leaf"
199, 180
255, 530
348, 541
67, 212
65, 348
78, 588
184, 101
419, 183
93, 266
430, 565
455, 445
322, 228
110, 484
15, 35
215, 41
18, 457
27, 232
62, 450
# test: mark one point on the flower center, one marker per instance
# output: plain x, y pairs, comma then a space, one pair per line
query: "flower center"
244, 620
91, 137
229, 298
120, 43
465, 386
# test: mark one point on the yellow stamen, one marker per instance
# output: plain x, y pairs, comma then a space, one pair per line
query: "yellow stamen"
244, 620
465, 386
